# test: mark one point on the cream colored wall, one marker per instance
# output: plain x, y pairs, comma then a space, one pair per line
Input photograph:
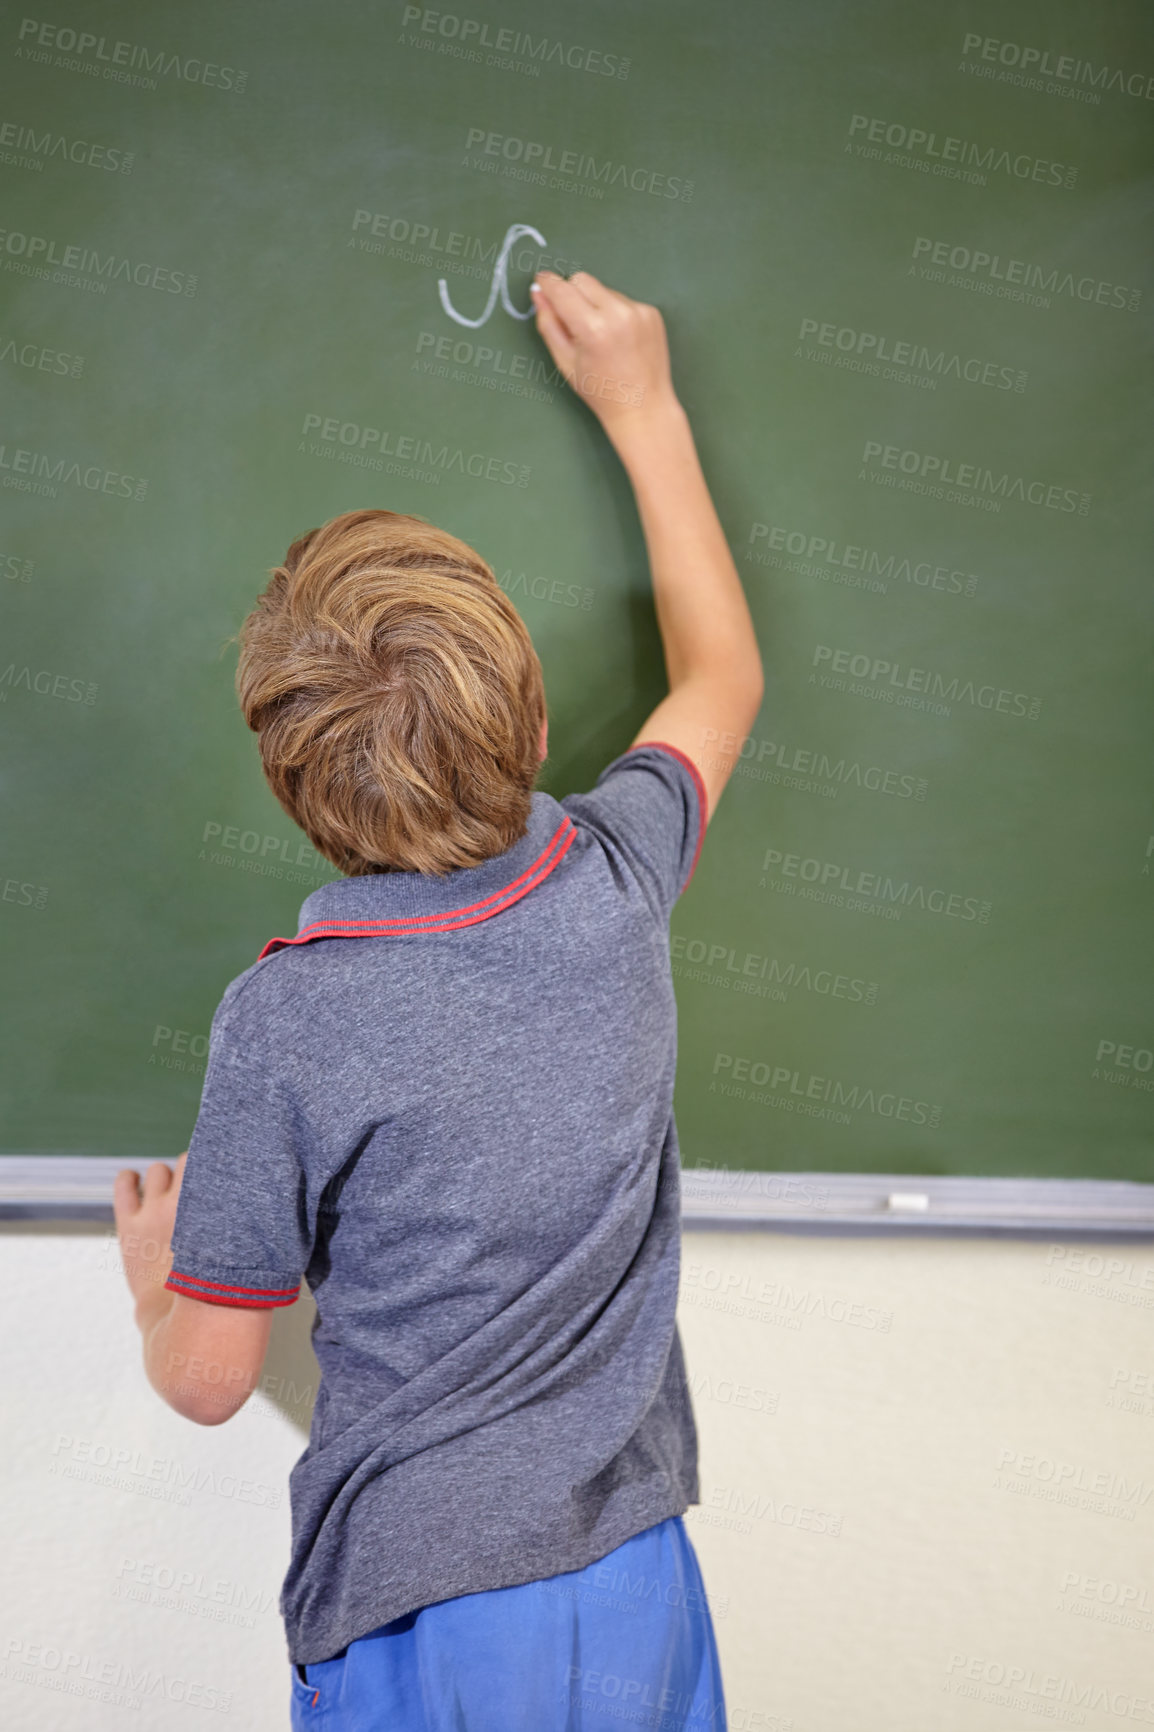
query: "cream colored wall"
927, 1468
977, 1418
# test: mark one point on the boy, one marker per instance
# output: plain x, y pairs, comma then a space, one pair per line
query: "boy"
446, 1103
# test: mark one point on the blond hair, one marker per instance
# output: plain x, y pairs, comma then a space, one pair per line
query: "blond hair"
396, 696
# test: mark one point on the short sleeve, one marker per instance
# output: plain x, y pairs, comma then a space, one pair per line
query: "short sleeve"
649, 804
241, 1234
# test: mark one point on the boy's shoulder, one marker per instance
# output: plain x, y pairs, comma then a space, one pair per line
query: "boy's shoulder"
649, 806
251, 1001
645, 811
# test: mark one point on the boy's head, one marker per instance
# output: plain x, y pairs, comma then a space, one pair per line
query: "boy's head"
396, 695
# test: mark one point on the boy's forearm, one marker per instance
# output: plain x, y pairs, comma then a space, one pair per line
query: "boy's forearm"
701, 608
153, 1310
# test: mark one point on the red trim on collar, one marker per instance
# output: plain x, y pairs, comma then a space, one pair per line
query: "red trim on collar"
699, 785
452, 918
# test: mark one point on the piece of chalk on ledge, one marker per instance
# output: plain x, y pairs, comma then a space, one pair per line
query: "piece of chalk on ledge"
907, 1202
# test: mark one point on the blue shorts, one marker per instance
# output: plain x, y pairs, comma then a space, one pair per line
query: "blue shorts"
629, 1639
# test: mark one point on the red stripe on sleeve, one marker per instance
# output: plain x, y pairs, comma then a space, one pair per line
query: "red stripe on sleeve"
231, 1293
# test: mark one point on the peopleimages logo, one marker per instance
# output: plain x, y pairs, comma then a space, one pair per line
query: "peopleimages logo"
867, 351
869, 892
369, 447
508, 50
996, 274
37, 255
1051, 1695
535, 161
854, 563
893, 675
722, 968
488, 367
832, 1091
1039, 63
25, 147
46, 684
43, 472
1103, 1590
120, 62
933, 473
947, 154
810, 767
24, 895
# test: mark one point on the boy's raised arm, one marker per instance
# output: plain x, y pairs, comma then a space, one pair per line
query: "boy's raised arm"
614, 354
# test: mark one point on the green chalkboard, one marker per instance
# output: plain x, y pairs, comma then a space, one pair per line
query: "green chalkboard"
905, 261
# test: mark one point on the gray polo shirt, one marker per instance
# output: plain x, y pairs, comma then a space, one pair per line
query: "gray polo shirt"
446, 1104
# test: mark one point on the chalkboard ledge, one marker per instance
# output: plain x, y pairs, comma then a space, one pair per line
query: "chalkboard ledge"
720, 1197
79, 1187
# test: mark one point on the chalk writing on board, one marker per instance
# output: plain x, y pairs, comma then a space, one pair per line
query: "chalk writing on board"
499, 285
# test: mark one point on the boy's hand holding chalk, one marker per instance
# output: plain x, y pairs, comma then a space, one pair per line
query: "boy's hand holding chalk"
610, 349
